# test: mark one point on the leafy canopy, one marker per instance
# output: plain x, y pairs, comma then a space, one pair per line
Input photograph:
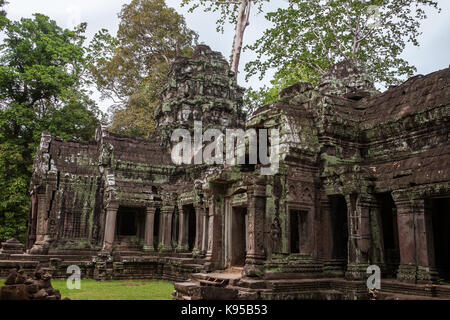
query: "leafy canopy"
312, 35
42, 87
134, 65
3, 19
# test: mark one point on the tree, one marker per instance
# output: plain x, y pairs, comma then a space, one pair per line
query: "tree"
316, 34
236, 13
3, 19
135, 63
286, 76
41, 88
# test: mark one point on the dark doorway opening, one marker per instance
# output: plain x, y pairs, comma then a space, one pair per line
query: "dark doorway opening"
175, 228
238, 237
127, 224
388, 214
130, 221
130, 227
192, 230
339, 228
299, 231
441, 231
156, 228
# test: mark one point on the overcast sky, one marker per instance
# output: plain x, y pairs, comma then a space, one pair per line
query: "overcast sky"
432, 55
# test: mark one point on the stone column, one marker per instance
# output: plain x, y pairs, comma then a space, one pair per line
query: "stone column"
359, 207
426, 271
205, 226
327, 238
415, 240
332, 266
149, 228
213, 258
183, 233
110, 226
32, 222
41, 244
255, 245
166, 230
199, 213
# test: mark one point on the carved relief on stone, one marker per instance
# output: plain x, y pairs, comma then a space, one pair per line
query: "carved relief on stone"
301, 191
251, 238
275, 234
41, 223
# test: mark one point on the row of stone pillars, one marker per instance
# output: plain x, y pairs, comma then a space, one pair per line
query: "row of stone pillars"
208, 235
415, 236
165, 228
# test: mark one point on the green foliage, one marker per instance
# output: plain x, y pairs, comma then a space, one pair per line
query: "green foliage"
3, 19
134, 66
228, 10
286, 76
316, 34
41, 88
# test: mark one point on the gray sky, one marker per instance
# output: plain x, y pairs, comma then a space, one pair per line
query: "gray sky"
432, 55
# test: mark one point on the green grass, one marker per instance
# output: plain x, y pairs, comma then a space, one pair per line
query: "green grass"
116, 290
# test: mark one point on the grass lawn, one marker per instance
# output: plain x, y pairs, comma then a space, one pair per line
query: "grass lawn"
115, 290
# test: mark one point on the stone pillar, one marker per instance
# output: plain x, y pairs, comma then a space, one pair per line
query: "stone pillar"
415, 240
205, 227
149, 229
166, 232
41, 244
183, 233
199, 213
42, 218
426, 271
359, 207
213, 255
255, 245
327, 237
110, 226
32, 224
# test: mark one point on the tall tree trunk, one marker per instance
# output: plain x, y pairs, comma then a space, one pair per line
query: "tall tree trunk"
242, 23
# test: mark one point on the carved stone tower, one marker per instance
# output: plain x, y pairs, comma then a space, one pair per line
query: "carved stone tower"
201, 88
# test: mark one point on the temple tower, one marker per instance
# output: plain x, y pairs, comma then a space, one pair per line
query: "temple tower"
200, 88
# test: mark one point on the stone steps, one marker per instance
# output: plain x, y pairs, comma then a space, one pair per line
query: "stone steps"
212, 282
30, 257
203, 285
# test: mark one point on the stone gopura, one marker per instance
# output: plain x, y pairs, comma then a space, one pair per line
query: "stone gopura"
364, 180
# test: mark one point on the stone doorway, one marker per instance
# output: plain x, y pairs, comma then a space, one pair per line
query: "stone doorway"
192, 230
339, 229
388, 215
130, 228
299, 231
440, 213
238, 241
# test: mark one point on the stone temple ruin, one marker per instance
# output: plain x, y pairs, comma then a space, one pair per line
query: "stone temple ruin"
363, 180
